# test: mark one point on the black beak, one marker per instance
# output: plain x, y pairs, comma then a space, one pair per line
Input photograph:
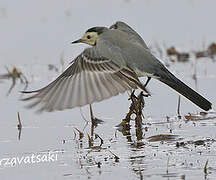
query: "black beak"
77, 41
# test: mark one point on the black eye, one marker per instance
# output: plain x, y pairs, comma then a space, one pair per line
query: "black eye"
88, 37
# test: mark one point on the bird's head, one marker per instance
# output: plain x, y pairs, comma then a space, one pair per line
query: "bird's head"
91, 36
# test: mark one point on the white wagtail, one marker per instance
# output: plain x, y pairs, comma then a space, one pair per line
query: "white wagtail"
112, 65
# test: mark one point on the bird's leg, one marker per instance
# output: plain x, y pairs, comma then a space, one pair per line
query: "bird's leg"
149, 78
92, 120
91, 112
144, 88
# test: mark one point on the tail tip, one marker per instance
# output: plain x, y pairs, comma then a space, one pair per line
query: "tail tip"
208, 107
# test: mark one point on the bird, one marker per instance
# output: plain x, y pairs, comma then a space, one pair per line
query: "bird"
113, 63
133, 37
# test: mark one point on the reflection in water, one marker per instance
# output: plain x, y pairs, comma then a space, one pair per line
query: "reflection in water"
93, 136
136, 108
162, 137
145, 158
194, 75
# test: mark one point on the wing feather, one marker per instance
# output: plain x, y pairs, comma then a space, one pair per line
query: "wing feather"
90, 78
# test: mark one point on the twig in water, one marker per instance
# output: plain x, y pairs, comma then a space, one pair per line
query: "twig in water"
90, 141
178, 108
101, 140
115, 156
74, 135
167, 171
19, 126
83, 116
81, 135
140, 173
86, 124
205, 167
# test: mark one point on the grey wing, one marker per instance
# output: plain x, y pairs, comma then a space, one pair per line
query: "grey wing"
134, 37
90, 78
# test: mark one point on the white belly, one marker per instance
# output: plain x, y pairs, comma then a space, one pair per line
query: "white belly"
141, 74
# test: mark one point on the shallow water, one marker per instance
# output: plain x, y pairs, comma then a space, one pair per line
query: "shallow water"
31, 49
138, 158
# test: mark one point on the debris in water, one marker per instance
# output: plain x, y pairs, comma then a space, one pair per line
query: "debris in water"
162, 137
180, 56
81, 135
19, 126
14, 75
205, 167
115, 156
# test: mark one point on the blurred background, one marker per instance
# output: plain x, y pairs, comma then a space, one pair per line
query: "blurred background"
38, 31
35, 39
